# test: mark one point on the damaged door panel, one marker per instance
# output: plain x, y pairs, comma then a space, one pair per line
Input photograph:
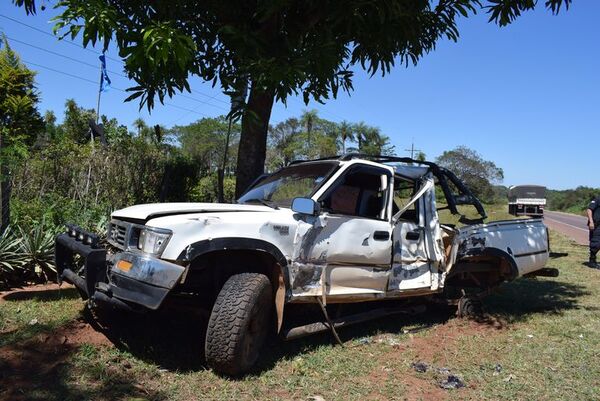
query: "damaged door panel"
347, 251
411, 268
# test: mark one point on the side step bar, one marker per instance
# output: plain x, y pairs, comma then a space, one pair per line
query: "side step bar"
318, 327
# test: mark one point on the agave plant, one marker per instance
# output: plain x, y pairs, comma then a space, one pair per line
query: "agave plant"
11, 259
37, 249
100, 228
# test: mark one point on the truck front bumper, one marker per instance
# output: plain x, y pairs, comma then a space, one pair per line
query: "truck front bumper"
126, 280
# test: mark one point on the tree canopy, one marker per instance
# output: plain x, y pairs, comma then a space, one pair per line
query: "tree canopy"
313, 137
280, 48
470, 167
20, 120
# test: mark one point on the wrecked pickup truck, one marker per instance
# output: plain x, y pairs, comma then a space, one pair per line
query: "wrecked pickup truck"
331, 231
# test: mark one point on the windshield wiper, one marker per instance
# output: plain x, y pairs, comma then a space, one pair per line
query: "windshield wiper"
264, 202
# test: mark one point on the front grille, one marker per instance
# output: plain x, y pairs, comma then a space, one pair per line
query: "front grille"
119, 233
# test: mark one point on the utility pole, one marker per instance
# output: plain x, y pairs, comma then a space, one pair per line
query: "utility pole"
97, 107
99, 94
98, 103
104, 86
412, 150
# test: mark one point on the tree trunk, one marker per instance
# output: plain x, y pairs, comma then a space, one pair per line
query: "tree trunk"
221, 171
5, 188
220, 191
253, 139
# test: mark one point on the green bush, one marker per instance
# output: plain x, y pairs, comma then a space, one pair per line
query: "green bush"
206, 189
57, 210
37, 250
11, 262
27, 254
571, 200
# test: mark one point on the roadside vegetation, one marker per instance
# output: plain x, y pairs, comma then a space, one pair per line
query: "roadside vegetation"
53, 173
571, 200
539, 340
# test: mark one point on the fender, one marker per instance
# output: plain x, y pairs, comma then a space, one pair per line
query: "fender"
199, 248
281, 282
497, 253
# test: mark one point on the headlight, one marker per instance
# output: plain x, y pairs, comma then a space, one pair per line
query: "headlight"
153, 240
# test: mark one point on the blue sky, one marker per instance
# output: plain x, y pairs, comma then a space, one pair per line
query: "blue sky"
526, 96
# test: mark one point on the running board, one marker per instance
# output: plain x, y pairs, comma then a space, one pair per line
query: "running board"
319, 327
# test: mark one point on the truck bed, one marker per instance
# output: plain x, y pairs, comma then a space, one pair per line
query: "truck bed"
525, 241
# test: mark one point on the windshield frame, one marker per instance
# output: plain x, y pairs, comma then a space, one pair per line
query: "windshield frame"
334, 167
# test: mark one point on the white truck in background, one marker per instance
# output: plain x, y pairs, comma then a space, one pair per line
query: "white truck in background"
527, 200
333, 231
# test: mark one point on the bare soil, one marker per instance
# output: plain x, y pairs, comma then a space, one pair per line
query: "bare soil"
43, 356
435, 349
37, 362
31, 291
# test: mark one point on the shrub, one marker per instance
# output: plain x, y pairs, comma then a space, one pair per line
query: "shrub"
206, 189
11, 262
27, 254
37, 250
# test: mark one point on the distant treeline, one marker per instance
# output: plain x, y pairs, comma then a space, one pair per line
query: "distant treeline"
568, 200
571, 200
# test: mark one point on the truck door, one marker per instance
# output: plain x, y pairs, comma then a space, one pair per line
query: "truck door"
355, 240
411, 264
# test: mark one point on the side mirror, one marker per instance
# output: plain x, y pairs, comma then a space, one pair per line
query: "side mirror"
305, 206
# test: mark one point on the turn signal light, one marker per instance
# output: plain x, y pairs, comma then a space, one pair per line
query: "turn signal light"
124, 265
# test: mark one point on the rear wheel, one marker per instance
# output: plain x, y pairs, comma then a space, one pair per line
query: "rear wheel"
469, 308
239, 323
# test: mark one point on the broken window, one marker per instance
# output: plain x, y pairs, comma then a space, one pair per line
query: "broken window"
361, 192
404, 190
295, 181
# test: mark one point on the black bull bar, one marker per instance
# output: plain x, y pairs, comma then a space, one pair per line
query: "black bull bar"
101, 284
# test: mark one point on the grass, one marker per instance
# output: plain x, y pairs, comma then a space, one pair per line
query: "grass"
541, 341
495, 212
22, 319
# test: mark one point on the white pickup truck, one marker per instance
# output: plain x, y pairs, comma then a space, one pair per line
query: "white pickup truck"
341, 230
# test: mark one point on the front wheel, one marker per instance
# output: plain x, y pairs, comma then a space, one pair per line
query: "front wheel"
239, 323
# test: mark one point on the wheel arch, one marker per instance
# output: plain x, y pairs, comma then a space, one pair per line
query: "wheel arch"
494, 254
261, 255
484, 267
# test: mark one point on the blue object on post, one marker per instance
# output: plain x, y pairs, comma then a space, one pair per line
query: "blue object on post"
104, 79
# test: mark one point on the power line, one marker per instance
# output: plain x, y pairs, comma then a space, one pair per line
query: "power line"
71, 42
112, 72
65, 73
112, 87
203, 102
63, 56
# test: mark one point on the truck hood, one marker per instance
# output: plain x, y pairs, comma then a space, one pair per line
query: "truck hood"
152, 210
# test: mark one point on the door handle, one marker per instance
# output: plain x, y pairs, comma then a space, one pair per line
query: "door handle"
381, 236
413, 235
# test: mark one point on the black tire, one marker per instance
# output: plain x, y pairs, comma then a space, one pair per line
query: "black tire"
239, 323
469, 308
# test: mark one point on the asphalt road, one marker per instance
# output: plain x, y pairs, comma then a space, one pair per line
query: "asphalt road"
571, 225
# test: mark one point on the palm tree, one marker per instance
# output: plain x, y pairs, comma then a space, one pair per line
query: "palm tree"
360, 131
375, 143
345, 129
140, 125
309, 119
